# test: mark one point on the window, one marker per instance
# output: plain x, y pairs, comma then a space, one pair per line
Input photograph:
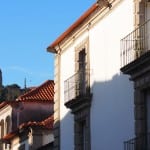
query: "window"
82, 135
148, 117
81, 109
82, 63
7, 125
82, 130
2, 128
1, 132
81, 80
148, 110
82, 68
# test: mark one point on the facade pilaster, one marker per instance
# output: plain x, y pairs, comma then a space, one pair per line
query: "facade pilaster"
57, 103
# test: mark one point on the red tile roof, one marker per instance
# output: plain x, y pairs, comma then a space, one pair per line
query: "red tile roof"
9, 136
12, 103
44, 92
2, 104
45, 124
72, 27
96, 6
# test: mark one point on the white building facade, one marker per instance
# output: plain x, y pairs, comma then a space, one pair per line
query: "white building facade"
93, 100
5, 123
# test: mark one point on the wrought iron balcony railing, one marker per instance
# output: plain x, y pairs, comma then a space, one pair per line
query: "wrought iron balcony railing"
138, 143
76, 86
135, 44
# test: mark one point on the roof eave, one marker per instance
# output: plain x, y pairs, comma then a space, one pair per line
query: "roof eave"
51, 50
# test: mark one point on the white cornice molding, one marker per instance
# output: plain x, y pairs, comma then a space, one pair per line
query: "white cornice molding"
94, 18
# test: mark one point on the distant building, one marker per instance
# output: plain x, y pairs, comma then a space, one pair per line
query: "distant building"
27, 122
10, 92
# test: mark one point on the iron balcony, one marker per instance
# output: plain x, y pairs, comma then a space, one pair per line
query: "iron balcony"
135, 44
77, 89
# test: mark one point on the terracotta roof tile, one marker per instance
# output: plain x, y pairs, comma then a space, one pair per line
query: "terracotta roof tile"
73, 27
45, 124
9, 136
44, 92
96, 6
12, 103
2, 104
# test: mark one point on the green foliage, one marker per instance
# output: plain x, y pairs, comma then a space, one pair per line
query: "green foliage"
2, 94
10, 92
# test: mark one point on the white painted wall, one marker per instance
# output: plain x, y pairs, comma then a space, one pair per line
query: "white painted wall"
5, 112
67, 119
47, 138
112, 119
66, 126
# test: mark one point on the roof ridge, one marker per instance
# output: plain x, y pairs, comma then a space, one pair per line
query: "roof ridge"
46, 123
45, 91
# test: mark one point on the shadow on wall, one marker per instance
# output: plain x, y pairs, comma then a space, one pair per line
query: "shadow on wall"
112, 116
25, 112
112, 113
66, 132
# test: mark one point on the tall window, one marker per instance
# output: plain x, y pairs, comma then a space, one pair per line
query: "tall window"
148, 117
82, 60
1, 132
7, 124
83, 135
81, 109
2, 128
80, 128
81, 79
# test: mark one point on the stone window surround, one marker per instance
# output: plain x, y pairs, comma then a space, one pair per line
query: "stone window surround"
141, 86
83, 45
79, 117
82, 115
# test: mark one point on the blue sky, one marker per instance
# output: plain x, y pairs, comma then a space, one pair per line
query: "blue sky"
27, 27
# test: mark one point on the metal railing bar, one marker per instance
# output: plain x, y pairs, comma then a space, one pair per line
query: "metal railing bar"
76, 85
135, 44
